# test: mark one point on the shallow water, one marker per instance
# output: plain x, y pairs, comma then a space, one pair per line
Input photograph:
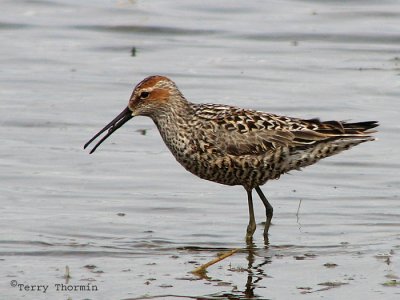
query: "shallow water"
129, 219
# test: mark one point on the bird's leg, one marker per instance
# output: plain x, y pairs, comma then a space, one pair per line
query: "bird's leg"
269, 211
252, 221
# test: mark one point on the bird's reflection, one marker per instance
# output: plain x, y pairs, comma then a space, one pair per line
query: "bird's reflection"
250, 285
255, 272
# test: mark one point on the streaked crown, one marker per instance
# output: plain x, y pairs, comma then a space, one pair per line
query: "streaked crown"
151, 94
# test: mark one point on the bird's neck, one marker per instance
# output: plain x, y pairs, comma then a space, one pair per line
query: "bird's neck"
173, 123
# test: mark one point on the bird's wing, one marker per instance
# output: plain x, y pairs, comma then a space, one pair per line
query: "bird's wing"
245, 132
257, 137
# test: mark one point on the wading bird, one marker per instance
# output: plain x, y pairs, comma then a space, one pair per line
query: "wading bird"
235, 146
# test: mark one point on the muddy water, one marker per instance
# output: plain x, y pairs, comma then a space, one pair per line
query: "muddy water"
130, 222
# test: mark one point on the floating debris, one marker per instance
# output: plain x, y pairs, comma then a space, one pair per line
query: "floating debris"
90, 267
332, 283
299, 257
142, 131
330, 265
133, 51
391, 283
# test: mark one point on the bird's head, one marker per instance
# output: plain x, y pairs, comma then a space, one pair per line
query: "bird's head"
150, 97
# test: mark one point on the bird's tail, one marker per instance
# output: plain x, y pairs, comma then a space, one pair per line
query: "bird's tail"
344, 128
331, 137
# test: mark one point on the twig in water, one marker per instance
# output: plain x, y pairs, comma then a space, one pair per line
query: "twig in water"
203, 268
298, 210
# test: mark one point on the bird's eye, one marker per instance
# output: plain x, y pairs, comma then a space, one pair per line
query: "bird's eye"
144, 95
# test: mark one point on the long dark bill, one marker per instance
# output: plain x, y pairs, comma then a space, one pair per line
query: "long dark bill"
120, 120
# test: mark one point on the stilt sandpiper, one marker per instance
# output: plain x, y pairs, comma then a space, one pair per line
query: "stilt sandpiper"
236, 146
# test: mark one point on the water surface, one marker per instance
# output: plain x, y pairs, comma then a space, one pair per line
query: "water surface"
129, 219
